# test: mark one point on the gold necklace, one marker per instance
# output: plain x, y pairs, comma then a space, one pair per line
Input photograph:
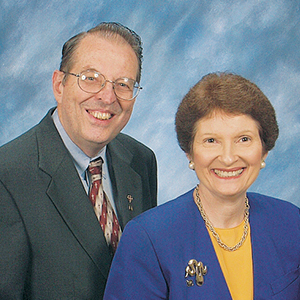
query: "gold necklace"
211, 228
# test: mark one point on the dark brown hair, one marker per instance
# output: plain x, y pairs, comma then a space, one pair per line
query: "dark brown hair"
228, 93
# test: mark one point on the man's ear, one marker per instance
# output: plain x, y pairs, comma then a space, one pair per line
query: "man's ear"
57, 85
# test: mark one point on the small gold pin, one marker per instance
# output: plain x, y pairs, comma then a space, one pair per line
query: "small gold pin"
197, 269
130, 198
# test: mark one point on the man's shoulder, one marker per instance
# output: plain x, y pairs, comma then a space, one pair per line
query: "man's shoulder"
126, 139
24, 137
19, 143
25, 145
131, 144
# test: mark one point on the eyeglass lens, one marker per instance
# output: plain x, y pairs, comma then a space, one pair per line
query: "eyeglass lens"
93, 82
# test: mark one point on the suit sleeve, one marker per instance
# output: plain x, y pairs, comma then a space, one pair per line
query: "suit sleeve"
14, 250
136, 272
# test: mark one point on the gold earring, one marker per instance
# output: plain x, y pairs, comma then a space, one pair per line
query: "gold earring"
262, 164
191, 165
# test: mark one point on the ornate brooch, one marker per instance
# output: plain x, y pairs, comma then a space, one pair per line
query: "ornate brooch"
197, 269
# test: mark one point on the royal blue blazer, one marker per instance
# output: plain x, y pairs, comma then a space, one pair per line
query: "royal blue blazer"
155, 248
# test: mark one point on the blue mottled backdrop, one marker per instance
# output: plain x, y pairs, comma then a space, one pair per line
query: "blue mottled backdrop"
183, 40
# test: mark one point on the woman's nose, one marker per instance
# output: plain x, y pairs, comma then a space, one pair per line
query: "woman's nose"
228, 155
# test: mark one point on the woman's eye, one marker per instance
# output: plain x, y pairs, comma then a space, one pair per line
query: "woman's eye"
245, 139
211, 140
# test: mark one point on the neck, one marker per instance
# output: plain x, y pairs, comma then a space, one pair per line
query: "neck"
223, 212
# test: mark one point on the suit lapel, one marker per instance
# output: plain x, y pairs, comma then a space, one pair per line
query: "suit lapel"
69, 197
126, 182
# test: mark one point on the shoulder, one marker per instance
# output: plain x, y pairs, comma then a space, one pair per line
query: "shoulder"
138, 155
19, 147
169, 215
22, 152
167, 224
267, 203
130, 144
18, 144
273, 211
26, 147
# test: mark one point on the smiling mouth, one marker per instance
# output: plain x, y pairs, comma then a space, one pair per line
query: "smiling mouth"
100, 115
225, 174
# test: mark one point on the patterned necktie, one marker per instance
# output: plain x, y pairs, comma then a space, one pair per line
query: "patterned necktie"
102, 206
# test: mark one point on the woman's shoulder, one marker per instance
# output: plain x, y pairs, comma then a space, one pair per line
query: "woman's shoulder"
171, 212
268, 201
271, 207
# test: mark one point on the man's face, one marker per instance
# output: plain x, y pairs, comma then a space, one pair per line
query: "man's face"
93, 120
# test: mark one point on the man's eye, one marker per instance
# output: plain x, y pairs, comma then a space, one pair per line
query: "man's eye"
88, 78
123, 86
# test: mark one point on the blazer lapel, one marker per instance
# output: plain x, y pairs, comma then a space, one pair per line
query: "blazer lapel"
214, 281
265, 259
69, 197
126, 182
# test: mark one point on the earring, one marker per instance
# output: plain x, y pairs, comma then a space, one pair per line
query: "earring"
262, 164
191, 165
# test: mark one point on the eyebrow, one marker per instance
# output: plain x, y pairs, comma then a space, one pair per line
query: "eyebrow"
247, 131
95, 70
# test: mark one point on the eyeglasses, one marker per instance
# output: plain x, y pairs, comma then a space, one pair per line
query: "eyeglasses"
93, 82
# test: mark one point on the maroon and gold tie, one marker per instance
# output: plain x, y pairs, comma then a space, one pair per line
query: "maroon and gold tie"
102, 206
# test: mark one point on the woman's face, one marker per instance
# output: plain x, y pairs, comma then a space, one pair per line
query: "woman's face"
227, 153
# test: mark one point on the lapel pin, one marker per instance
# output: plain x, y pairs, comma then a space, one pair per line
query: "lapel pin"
196, 269
130, 198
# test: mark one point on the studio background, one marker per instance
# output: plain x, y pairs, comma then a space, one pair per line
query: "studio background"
183, 40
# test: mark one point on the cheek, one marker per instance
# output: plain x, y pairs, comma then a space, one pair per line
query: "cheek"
202, 159
126, 109
255, 158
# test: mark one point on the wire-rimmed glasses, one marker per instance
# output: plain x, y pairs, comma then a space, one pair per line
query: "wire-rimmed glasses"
93, 82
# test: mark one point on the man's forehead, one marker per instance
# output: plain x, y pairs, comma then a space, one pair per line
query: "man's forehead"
96, 37
94, 47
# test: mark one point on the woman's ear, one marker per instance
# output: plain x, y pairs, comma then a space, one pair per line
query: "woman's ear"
265, 156
262, 163
189, 157
191, 163
57, 85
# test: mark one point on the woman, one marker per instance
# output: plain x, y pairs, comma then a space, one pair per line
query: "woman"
217, 241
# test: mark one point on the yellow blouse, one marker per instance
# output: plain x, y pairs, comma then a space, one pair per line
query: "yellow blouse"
237, 265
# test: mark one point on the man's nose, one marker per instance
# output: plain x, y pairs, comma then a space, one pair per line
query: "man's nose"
107, 93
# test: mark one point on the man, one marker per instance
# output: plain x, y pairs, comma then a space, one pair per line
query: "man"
51, 243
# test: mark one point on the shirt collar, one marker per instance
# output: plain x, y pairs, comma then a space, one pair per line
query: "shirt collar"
80, 158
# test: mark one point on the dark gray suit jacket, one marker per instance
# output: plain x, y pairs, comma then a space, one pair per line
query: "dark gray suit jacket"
51, 244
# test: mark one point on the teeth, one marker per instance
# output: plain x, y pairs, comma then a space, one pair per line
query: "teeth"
228, 174
100, 116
